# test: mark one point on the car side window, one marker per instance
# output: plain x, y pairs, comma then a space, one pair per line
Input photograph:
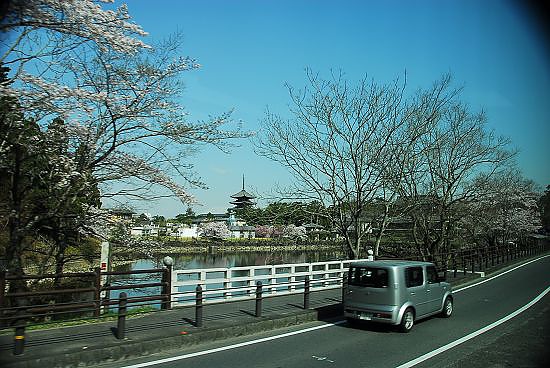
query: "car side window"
431, 274
414, 276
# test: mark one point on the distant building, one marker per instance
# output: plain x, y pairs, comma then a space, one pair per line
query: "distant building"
242, 231
238, 227
242, 199
315, 231
121, 214
185, 231
146, 230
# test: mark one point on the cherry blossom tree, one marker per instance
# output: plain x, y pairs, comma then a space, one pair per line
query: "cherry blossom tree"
123, 128
505, 209
336, 144
214, 229
293, 232
264, 231
40, 35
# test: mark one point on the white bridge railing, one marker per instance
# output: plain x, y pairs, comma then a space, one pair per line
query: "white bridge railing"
234, 283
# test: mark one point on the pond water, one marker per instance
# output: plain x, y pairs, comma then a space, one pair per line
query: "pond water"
221, 259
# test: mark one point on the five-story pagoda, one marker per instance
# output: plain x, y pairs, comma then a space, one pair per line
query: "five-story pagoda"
242, 199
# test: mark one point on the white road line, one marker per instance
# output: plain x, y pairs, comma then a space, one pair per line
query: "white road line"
470, 336
500, 274
234, 346
276, 337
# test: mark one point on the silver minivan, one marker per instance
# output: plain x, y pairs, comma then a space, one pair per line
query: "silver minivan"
396, 292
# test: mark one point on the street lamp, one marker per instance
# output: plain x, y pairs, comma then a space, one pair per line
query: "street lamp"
168, 261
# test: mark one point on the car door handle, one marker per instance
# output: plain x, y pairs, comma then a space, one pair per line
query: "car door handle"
413, 293
427, 291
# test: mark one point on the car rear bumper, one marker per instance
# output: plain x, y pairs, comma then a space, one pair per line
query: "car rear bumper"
372, 313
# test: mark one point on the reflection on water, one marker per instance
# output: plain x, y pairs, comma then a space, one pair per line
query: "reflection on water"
223, 260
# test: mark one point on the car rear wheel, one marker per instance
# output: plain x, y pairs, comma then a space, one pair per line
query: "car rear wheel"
447, 307
407, 321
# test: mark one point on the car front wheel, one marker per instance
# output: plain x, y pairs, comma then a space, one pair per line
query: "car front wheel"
447, 307
407, 321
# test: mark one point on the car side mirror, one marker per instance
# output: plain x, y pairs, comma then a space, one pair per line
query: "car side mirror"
441, 277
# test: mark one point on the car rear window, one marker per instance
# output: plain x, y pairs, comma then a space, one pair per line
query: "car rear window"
368, 276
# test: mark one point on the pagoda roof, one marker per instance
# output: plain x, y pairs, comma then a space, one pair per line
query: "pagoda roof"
242, 194
242, 202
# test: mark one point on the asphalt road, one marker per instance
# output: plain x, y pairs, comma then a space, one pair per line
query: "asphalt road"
520, 340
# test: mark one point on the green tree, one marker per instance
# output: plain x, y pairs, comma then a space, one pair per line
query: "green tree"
43, 190
187, 217
159, 220
22, 168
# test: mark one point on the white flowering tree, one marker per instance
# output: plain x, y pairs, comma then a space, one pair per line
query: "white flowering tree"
294, 232
40, 35
214, 230
505, 209
121, 128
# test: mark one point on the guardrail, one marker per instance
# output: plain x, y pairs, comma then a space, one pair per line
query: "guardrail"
236, 283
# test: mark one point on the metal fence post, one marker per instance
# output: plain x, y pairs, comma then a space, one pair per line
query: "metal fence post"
306, 292
198, 307
167, 288
258, 299
455, 267
2, 297
121, 322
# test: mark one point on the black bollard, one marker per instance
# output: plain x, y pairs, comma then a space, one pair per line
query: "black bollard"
306, 293
198, 307
258, 299
121, 322
19, 339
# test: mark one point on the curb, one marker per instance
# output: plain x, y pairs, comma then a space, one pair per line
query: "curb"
134, 349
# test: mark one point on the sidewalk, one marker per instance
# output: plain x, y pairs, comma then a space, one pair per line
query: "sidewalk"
91, 344
95, 343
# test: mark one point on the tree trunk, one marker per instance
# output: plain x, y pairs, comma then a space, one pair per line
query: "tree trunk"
381, 230
59, 260
14, 251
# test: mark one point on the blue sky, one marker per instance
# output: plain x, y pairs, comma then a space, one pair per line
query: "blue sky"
249, 49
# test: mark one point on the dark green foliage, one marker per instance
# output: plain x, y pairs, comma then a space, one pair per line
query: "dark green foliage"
45, 190
286, 213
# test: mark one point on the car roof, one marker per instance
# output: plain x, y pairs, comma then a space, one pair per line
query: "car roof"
390, 263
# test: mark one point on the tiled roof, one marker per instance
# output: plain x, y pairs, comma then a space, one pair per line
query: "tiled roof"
243, 194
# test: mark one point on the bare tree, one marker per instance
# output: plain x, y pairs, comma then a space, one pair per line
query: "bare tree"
455, 146
337, 144
407, 155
